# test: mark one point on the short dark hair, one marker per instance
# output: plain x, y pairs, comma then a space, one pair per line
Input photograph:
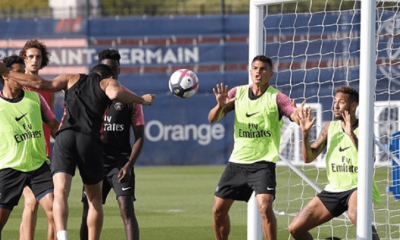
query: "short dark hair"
9, 61
109, 54
264, 59
34, 43
352, 92
102, 69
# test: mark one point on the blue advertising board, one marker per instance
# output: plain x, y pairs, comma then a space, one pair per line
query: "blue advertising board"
324, 55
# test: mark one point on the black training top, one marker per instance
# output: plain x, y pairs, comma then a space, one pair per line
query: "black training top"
84, 106
117, 124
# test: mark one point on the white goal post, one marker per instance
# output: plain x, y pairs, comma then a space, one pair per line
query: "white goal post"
366, 116
366, 110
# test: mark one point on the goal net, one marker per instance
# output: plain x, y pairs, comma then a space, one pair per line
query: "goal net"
315, 48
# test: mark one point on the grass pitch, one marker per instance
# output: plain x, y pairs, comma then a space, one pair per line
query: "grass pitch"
175, 203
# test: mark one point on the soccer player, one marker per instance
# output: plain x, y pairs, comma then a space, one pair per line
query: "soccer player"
119, 157
258, 112
340, 138
36, 57
23, 158
78, 140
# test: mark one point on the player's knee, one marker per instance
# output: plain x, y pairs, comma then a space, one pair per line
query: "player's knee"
292, 228
60, 194
48, 208
127, 212
217, 212
31, 205
95, 202
353, 217
266, 211
50, 218
94, 198
352, 213
295, 231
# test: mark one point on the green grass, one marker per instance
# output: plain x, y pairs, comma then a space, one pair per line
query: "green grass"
176, 202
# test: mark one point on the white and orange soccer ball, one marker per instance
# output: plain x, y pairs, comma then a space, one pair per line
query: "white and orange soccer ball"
183, 83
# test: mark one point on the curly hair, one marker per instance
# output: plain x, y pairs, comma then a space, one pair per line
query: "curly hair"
9, 61
34, 43
109, 54
352, 92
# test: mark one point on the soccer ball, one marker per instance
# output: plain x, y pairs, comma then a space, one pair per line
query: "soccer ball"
183, 83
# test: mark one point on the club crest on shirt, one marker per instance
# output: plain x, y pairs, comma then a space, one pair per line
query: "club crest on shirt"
118, 106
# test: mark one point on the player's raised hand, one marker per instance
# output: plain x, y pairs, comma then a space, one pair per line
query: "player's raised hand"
221, 95
224, 104
305, 120
347, 123
297, 111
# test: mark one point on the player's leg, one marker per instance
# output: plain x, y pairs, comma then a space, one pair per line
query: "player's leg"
4, 215
46, 202
12, 183
221, 221
352, 212
128, 216
232, 186
62, 187
125, 192
223, 200
95, 213
264, 202
84, 227
41, 185
261, 177
63, 169
29, 215
83, 232
313, 214
91, 169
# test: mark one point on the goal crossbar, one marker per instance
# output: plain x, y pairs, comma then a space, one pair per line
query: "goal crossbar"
261, 3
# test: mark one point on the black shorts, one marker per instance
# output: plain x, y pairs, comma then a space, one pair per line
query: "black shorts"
12, 183
336, 202
238, 181
72, 149
110, 180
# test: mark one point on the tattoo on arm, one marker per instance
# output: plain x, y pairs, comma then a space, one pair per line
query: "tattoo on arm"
319, 145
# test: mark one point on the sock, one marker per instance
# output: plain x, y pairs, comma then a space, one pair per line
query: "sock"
62, 235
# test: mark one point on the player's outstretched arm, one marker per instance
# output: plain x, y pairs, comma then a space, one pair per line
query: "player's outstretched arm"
36, 82
224, 104
114, 91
